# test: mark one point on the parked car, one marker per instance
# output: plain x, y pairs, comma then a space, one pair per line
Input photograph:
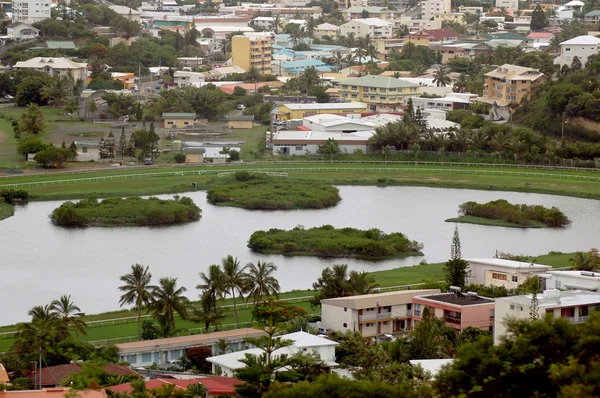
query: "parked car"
8, 96
241, 107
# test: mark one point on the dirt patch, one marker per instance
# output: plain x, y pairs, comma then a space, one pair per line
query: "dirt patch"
436, 179
564, 186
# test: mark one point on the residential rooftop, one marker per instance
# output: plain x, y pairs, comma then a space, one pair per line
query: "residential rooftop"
384, 299
458, 298
370, 10
557, 298
500, 262
372, 22
179, 115
582, 40
379, 82
352, 106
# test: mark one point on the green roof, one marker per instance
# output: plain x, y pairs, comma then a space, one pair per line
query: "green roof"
241, 117
370, 10
177, 115
594, 13
60, 45
378, 81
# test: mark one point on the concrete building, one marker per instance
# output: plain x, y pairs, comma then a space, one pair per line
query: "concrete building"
184, 78
327, 29
53, 376
358, 12
501, 272
456, 17
431, 8
179, 120
459, 310
300, 111
508, 4
581, 47
21, 31
194, 154
540, 39
59, 392
391, 311
30, 11
308, 142
240, 122
381, 94
190, 62
219, 73
216, 386
159, 351
509, 84
374, 27
447, 103
252, 50
265, 23
4, 379
592, 16
55, 67
302, 341
571, 280
573, 305
130, 13
337, 124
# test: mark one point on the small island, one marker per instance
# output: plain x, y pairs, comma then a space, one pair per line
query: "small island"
500, 213
257, 192
327, 241
8, 197
133, 211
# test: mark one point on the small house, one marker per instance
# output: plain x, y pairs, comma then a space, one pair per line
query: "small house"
178, 120
240, 122
194, 154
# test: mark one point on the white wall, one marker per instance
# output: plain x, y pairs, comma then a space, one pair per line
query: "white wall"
568, 52
300, 149
334, 317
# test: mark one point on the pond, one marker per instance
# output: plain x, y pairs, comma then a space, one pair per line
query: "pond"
40, 261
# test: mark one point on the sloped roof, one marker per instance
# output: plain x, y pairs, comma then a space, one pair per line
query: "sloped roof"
179, 115
56, 63
60, 45
53, 393
327, 26
53, 375
582, 40
3, 375
216, 384
379, 82
539, 35
444, 33
372, 22
384, 299
370, 10
594, 13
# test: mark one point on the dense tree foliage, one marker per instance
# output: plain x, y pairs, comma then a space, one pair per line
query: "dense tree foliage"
336, 282
520, 214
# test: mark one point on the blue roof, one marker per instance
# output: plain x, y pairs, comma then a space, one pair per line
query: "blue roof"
327, 47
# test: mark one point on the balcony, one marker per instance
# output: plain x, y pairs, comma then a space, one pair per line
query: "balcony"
453, 320
372, 317
576, 319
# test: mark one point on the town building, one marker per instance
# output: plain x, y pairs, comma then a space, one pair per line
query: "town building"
179, 120
130, 13
252, 51
459, 310
184, 78
431, 8
508, 4
581, 47
296, 68
358, 12
21, 31
509, 84
227, 364
55, 67
305, 142
371, 314
449, 102
460, 49
573, 305
222, 72
58, 392
265, 23
374, 27
52, 376
540, 39
190, 62
385, 46
381, 94
501, 272
451, 17
327, 29
240, 122
194, 154
415, 24
216, 386
336, 123
571, 280
592, 16
160, 351
30, 11
300, 111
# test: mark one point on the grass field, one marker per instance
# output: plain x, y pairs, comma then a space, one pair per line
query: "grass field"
388, 278
494, 223
6, 210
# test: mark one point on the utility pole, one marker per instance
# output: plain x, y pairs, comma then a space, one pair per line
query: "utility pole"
40, 368
377, 322
139, 81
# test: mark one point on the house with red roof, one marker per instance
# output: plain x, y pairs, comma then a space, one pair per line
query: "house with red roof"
52, 376
444, 34
541, 38
216, 385
53, 393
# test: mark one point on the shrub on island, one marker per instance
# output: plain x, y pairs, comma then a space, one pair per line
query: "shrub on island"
256, 192
503, 213
126, 211
327, 241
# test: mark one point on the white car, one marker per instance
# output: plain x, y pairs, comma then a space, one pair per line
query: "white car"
241, 107
8, 96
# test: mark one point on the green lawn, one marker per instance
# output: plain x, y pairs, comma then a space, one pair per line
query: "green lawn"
494, 223
6, 210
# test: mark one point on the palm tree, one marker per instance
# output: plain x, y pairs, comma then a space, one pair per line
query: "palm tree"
57, 90
311, 25
213, 286
165, 329
362, 283
419, 69
168, 300
69, 314
208, 315
261, 282
461, 84
235, 280
276, 24
441, 78
32, 121
338, 59
499, 141
92, 106
72, 106
137, 290
223, 346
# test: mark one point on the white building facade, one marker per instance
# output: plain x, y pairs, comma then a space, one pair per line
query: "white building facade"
508, 4
500, 272
185, 78
55, 67
572, 280
581, 47
21, 31
431, 8
30, 11
374, 27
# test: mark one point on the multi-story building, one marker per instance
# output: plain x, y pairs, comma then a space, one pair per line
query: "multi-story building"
458, 310
592, 16
573, 280
360, 12
252, 50
385, 46
21, 31
55, 67
501, 272
300, 111
431, 8
581, 47
456, 17
371, 314
508, 4
184, 78
327, 29
30, 11
374, 27
573, 305
381, 94
509, 84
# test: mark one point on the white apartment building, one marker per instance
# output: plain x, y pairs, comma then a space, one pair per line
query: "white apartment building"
264, 22
374, 27
431, 8
572, 280
227, 364
581, 47
55, 67
185, 78
500, 272
573, 305
391, 312
30, 11
508, 4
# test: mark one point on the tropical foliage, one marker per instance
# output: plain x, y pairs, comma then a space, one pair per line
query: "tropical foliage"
336, 282
520, 214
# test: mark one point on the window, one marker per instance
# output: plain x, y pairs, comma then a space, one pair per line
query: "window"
418, 309
147, 357
515, 278
584, 310
345, 325
354, 96
298, 147
567, 49
345, 309
370, 325
132, 359
500, 277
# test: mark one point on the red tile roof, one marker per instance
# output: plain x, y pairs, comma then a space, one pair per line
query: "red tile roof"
540, 35
216, 384
52, 393
441, 34
53, 375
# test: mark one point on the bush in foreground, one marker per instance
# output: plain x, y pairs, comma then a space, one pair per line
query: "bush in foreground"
128, 211
327, 241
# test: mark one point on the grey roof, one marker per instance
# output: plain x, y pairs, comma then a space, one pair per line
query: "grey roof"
241, 117
378, 81
595, 13
193, 149
60, 45
179, 115
458, 299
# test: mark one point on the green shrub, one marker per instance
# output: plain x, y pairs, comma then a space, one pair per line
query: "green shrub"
179, 158
517, 214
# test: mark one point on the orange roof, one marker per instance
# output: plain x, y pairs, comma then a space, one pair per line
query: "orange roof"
302, 128
52, 393
216, 384
3, 375
53, 375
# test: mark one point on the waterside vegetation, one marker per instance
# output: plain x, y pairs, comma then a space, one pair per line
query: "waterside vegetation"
504, 214
327, 241
113, 212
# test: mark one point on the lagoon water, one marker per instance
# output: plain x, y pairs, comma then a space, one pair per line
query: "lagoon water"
40, 261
